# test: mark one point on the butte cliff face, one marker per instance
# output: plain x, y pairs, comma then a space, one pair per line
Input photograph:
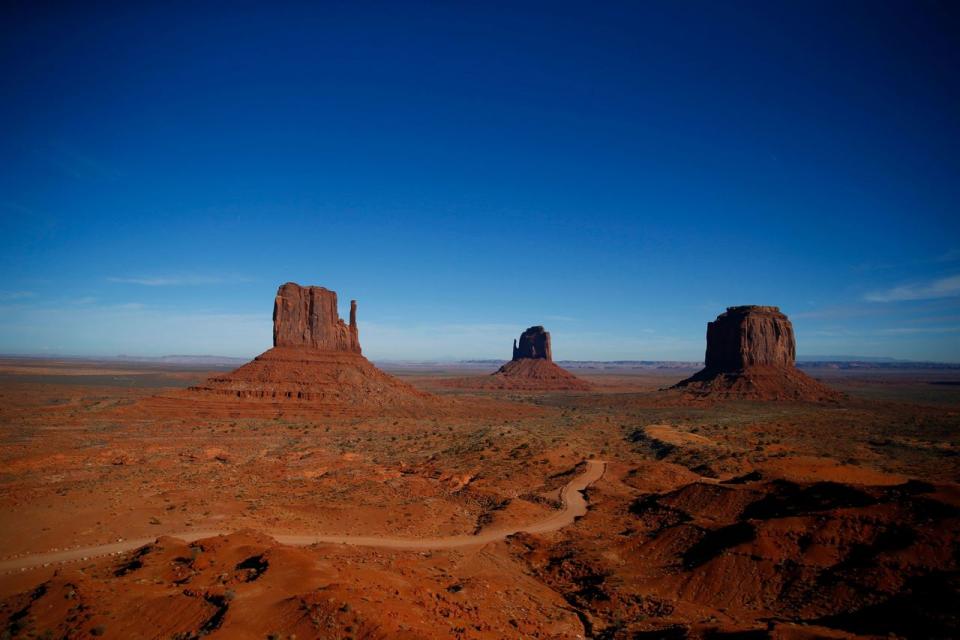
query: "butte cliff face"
751, 354
316, 359
534, 343
750, 336
307, 317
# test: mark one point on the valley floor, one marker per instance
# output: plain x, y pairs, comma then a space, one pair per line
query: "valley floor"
709, 519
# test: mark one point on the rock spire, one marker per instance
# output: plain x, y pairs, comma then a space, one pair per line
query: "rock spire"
306, 317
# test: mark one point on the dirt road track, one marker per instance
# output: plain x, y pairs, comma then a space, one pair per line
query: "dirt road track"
574, 506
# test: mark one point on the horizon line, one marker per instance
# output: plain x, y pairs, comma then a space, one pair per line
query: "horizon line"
813, 358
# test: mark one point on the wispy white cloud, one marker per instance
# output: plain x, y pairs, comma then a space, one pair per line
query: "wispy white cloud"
948, 287
178, 280
890, 331
949, 256
830, 333
129, 328
840, 312
18, 208
7, 296
909, 331
77, 164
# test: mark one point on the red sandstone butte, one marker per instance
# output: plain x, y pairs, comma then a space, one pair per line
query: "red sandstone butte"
307, 317
751, 354
534, 343
533, 368
750, 336
316, 358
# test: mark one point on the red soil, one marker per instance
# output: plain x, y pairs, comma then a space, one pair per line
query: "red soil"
740, 554
284, 374
759, 383
786, 520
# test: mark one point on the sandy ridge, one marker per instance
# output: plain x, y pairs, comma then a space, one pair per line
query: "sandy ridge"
574, 506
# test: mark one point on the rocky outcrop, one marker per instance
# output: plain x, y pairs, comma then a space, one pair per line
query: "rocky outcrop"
534, 343
315, 359
751, 354
534, 374
307, 317
750, 335
531, 369
336, 378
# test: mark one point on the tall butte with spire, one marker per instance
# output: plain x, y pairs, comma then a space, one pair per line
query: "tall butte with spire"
307, 318
751, 354
316, 358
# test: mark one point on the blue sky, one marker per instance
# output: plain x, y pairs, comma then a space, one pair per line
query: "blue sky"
619, 173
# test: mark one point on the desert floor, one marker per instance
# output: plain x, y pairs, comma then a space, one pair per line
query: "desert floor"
695, 519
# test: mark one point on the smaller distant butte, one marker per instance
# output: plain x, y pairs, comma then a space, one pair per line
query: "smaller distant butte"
534, 343
532, 367
751, 355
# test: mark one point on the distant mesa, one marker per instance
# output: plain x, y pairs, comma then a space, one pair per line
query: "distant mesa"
532, 367
751, 354
316, 358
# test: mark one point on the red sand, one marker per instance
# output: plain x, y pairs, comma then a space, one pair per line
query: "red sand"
715, 517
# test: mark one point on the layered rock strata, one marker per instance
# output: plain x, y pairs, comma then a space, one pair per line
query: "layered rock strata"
751, 354
316, 358
307, 317
749, 336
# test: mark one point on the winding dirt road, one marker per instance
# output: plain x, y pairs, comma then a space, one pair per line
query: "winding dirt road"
574, 506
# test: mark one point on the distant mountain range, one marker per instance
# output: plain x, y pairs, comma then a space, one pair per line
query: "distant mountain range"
803, 362
848, 359
182, 359
192, 361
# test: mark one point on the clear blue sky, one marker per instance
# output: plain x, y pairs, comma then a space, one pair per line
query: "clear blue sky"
617, 172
